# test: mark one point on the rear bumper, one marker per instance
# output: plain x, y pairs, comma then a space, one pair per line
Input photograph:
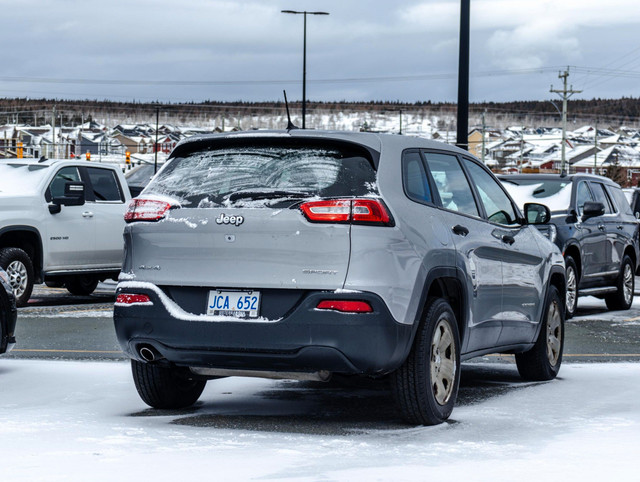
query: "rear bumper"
304, 339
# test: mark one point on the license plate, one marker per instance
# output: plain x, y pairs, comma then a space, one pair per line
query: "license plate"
240, 304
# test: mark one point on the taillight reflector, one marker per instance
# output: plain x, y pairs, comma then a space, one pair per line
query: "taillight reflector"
345, 306
146, 210
358, 211
130, 299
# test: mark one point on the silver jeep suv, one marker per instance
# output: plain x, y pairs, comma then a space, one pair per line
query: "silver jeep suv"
305, 253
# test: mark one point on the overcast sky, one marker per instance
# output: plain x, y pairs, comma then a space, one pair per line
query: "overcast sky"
404, 50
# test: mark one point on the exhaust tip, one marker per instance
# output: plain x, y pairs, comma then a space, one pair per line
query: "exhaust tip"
148, 354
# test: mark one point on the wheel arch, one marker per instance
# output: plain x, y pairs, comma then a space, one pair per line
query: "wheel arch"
446, 283
29, 240
574, 251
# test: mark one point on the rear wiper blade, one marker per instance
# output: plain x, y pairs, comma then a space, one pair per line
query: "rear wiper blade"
267, 195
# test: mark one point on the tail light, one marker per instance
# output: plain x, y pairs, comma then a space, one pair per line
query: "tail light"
355, 211
345, 306
146, 210
131, 299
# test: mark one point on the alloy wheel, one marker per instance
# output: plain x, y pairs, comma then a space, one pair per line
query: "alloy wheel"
572, 289
18, 277
554, 333
627, 284
443, 362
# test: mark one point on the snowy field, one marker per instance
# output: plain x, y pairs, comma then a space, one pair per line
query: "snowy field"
83, 421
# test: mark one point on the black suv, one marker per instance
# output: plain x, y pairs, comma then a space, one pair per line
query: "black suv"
594, 227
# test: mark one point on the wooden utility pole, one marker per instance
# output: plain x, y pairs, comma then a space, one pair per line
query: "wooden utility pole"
565, 93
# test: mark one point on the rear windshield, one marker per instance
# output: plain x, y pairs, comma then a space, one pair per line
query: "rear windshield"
264, 175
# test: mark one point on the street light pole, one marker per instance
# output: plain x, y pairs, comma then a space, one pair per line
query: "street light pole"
304, 60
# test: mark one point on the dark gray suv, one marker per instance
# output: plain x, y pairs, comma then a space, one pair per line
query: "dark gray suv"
305, 253
595, 229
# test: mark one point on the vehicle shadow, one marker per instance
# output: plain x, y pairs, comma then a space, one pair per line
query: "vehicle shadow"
342, 406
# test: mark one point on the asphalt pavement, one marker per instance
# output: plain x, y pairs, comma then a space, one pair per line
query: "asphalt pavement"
58, 325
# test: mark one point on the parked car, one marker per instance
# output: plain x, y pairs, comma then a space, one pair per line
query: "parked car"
593, 226
305, 253
138, 177
8, 314
60, 223
633, 196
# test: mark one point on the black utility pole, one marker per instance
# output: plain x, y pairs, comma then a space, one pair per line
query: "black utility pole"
462, 140
304, 60
155, 163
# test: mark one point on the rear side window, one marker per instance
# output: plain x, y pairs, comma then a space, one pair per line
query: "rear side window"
415, 178
259, 175
105, 185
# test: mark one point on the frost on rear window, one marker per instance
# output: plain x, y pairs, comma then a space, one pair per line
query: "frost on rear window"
258, 176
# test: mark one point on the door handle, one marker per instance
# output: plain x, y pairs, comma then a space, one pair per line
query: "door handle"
508, 239
87, 214
460, 230
620, 227
601, 227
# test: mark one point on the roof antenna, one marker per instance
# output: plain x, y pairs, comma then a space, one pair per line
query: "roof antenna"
290, 125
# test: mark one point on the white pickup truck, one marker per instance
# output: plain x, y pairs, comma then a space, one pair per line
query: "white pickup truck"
61, 223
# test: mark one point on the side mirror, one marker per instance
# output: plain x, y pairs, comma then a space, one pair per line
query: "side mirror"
535, 213
592, 209
73, 195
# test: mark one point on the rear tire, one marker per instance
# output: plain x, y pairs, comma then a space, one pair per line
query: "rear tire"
425, 387
81, 285
164, 387
542, 362
573, 279
623, 298
19, 267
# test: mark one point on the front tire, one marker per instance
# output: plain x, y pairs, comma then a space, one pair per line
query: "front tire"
425, 387
573, 279
81, 285
623, 297
19, 267
165, 387
542, 362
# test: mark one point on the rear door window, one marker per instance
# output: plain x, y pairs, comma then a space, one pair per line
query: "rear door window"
451, 183
257, 175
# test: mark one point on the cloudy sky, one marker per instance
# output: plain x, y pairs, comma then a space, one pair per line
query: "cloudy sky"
406, 50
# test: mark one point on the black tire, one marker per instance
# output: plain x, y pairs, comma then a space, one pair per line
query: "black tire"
19, 267
425, 387
164, 387
81, 285
54, 284
542, 362
622, 299
573, 280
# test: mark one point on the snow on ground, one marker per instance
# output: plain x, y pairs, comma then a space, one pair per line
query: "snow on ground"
83, 421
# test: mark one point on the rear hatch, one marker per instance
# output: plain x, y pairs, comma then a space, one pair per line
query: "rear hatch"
256, 213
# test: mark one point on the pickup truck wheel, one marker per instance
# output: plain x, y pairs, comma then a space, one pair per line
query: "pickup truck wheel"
573, 278
19, 267
81, 285
425, 387
165, 387
542, 362
623, 298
